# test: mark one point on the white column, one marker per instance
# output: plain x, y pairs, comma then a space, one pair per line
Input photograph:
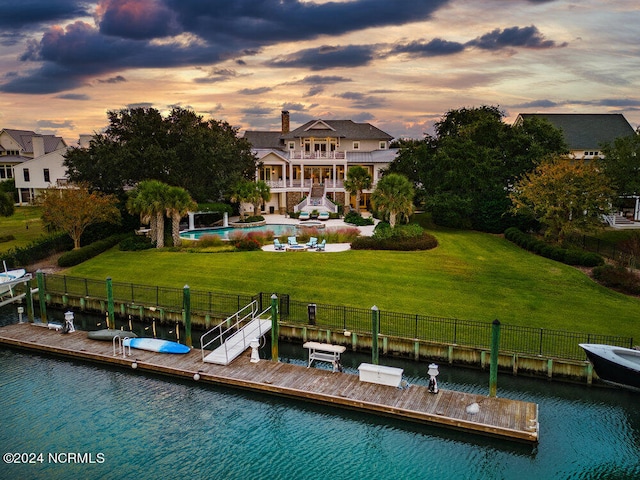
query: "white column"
192, 223
225, 220
636, 213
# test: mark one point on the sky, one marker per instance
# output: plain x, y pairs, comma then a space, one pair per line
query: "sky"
397, 64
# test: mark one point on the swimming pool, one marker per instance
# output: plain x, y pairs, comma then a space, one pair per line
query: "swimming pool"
226, 233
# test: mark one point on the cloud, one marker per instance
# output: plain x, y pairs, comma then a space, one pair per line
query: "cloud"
55, 124
18, 14
327, 56
73, 96
537, 104
360, 100
432, 48
526, 37
136, 19
116, 79
319, 80
255, 91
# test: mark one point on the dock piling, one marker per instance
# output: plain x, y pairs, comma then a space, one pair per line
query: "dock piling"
186, 302
493, 365
111, 319
274, 328
375, 323
42, 296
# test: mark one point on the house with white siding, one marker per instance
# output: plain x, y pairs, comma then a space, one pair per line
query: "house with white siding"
305, 168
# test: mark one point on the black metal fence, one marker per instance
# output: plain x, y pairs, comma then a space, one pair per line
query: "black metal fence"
607, 249
469, 333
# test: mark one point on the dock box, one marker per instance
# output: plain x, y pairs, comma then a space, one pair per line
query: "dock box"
380, 374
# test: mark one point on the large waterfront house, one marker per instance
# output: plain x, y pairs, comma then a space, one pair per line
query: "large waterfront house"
305, 168
585, 134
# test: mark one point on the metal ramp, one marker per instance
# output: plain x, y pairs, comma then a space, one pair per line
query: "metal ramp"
235, 334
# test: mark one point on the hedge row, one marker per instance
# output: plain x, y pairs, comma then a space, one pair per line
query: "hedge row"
38, 250
423, 242
559, 254
618, 278
75, 257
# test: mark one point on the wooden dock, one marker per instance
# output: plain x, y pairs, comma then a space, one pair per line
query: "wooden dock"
498, 417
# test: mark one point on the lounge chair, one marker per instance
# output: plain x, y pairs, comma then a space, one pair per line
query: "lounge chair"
292, 241
313, 242
304, 216
321, 245
323, 216
277, 244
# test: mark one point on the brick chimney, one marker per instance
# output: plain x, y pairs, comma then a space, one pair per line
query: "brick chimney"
285, 121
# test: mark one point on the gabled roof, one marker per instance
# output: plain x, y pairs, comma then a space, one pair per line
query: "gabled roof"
24, 139
587, 131
347, 129
262, 139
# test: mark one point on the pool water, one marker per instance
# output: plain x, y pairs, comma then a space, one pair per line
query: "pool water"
226, 233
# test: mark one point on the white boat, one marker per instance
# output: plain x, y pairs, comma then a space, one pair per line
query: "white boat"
616, 365
9, 276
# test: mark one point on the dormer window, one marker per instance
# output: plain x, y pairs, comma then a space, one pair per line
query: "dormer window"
383, 145
356, 145
292, 145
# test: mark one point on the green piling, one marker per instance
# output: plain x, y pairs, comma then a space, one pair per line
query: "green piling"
274, 328
186, 304
29, 300
42, 296
111, 319
375, 329
493, 365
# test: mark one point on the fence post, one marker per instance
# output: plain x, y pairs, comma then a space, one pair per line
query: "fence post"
186, 304
41, 296
493, 367
274, 328
111, 321
375, 319
29, 301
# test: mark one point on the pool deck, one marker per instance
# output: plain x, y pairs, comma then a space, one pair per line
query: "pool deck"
496, 417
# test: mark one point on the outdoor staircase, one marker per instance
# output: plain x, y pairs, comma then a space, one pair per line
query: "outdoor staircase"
235, 334
622, 222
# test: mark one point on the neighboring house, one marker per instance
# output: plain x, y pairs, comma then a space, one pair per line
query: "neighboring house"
585, 133
306, 167
44, 170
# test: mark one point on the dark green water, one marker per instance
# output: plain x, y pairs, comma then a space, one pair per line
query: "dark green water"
101, 423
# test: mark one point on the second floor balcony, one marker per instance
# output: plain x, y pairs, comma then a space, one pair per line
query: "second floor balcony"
316, 155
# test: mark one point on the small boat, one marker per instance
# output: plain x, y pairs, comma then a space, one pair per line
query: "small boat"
9, 276
108, 334
616, 365
156, 345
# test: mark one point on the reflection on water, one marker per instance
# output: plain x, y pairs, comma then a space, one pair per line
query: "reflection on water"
156, 427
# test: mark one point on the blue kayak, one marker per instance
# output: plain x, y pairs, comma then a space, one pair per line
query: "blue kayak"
156, 345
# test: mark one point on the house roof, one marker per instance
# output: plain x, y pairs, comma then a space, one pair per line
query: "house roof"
347, 129
262, 139
376, 156
24, 139
586, 131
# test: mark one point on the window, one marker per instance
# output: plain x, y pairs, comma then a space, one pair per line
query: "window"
356, 145
47, 178
26, 174
292, 145
383, 145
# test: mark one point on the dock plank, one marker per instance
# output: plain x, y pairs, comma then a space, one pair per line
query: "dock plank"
500, 417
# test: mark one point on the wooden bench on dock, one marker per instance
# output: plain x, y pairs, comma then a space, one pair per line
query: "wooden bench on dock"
324, 352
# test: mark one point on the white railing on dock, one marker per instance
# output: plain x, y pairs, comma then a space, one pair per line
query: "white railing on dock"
247, 317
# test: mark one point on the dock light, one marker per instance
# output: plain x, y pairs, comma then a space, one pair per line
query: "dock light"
20, 312
196, 376
68, 323
134, 365
433, 373
347, 333
255, 356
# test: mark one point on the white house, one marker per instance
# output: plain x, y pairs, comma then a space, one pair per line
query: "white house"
305, 168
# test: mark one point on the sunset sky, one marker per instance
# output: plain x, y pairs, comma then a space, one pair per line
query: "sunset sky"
399, 64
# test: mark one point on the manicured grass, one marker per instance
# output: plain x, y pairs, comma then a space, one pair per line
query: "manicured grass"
25, 225
469, 275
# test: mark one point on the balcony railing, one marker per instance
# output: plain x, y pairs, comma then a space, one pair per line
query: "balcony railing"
302, 155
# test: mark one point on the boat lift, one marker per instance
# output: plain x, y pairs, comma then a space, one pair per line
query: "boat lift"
9, 296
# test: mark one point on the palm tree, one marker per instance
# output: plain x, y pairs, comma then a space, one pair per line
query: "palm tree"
261, 193
394, 196
149, 200
242, 192
358, 179
178, 203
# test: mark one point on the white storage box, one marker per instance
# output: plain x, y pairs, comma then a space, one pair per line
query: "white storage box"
380, 374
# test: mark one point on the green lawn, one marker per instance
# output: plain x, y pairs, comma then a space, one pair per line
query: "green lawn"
25, 225
470, 275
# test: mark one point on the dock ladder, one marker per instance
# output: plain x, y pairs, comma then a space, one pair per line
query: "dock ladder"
235, 334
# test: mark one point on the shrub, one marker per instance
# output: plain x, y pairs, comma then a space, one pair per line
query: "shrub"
206, 241
568, 256
423, 242
355, 218
6, 238
133, 243
618, 278
247, 244
75, 257
38, 250
252, 219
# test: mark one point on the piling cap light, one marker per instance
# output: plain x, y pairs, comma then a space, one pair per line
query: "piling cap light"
433, 370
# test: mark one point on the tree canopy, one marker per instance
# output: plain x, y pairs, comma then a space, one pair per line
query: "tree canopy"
73, 210
358, 179
393, 196
565, 196
203, 157
464, 173
621, 163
